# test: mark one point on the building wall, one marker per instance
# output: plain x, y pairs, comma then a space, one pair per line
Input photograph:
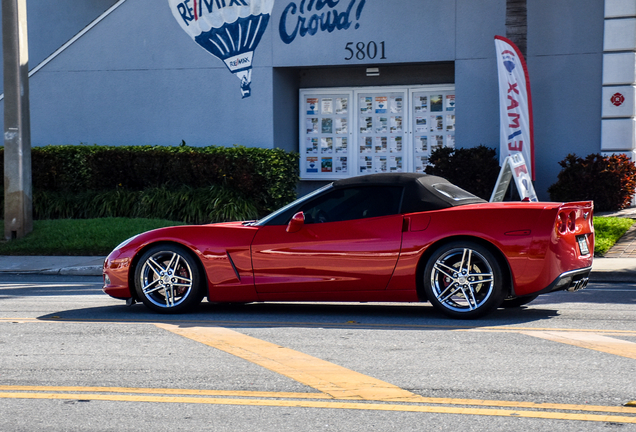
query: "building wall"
138, 78
565, 60
52, 23
476, 85
143, 81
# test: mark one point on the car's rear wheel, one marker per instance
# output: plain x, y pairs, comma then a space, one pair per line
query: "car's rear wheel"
167, 279
463, 280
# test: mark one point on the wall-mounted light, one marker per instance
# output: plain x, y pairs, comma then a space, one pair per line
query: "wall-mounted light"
373, 71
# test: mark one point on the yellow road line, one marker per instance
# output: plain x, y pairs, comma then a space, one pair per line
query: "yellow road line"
327, 404
167, 391
631, 333
341, 383
337, 381
77, 391
590, 341
529, 405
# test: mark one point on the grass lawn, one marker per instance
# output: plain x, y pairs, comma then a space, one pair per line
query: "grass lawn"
100, 236
79, 236
607, 231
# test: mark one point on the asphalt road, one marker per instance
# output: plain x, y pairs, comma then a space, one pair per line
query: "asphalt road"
72, 359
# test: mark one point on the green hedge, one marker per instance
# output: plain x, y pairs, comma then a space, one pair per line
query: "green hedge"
609, 181
474, 169
103, 174
185, 204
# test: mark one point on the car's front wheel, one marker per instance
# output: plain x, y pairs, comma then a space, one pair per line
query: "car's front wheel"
463, 279
167, 279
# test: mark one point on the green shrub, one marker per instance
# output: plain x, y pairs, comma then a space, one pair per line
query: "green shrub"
184, 204
213, 204
609, 181
474, 169
86, 181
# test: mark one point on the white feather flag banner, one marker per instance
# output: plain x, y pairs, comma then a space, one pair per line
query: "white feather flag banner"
515, 104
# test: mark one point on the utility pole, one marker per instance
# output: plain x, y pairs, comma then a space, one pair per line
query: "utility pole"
18, 194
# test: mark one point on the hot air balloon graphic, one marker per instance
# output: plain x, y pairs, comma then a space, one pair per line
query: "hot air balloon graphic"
227, 29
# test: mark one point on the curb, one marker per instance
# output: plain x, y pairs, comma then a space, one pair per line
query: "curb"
615, 276
52, 265
67, 271
73, 271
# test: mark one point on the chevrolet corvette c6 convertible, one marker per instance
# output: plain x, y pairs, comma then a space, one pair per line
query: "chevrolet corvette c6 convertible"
373, 238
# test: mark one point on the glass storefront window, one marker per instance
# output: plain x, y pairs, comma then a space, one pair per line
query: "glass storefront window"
347, 132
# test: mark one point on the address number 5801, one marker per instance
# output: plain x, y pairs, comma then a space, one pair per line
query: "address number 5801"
361, 50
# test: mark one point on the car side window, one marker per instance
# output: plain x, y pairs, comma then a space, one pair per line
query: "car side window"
354, 203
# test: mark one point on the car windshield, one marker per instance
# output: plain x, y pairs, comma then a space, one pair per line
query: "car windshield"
310, 195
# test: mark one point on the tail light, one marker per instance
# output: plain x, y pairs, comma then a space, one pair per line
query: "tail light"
572, 222
561, 223
566, 222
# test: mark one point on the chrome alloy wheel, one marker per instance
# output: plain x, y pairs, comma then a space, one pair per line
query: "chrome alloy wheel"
463, 280
165, 279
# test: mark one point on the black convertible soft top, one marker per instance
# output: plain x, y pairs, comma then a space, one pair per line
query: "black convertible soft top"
422, 192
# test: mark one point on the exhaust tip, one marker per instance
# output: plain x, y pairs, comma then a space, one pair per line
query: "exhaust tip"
578, 285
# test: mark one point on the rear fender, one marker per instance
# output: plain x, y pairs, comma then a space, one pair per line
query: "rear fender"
501, 259
555, 249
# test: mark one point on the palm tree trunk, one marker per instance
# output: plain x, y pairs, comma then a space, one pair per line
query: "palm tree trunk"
517, 24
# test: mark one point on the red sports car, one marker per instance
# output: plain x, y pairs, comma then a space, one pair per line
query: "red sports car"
380, 238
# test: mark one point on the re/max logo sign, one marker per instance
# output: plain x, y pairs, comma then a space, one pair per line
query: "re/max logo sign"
191, 10
240, 61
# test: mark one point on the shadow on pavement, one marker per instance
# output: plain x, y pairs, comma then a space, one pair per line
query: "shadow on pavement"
311, 315
328, 315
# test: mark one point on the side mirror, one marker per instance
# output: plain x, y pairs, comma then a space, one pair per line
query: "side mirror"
296, 223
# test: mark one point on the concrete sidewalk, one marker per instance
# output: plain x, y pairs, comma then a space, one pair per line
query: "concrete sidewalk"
603, 270
53, 265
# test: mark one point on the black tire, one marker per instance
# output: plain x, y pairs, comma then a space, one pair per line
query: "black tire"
463, 280
167, 279
518, 301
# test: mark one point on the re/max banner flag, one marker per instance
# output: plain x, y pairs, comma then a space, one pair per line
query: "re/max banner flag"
515, 104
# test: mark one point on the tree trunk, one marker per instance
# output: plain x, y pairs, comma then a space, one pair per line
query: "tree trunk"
517, 24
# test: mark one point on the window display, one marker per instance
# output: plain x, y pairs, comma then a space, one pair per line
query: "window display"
382, 129
433, 125
324, 150
381, 132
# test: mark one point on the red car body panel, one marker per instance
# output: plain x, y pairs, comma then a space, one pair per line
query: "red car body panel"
333, 250
374, 259
525, 233
221, 248
357, 255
